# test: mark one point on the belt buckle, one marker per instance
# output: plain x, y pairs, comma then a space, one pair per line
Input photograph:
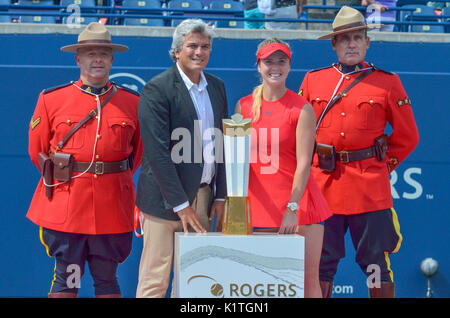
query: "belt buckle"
99, 167
344, 156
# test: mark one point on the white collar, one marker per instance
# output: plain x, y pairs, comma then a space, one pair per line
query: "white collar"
201, 85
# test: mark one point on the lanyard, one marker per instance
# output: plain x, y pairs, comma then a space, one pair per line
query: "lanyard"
94, 112
334, 98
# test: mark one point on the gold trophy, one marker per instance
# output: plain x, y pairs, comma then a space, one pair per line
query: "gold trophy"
237, 136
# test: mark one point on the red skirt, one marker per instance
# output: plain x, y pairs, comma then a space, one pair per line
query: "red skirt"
313, 206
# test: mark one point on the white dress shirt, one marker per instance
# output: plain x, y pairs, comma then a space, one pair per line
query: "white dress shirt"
200, 98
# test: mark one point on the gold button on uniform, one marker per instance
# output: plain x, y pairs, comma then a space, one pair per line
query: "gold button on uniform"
95, 176
342, 134
99, 136
343, 114
344, 94
68, 121
371, 101
97, 157
347, 77
124, 124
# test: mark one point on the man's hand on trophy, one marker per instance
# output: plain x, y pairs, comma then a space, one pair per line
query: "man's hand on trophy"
288, 223
188, 216
217, 210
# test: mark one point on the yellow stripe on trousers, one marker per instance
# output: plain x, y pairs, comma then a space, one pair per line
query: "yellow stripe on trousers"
399, 243
41, 238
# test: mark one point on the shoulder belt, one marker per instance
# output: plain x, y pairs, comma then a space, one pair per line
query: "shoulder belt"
51, 89
319, 69
91, 115
379, 69
339, 95
129, 90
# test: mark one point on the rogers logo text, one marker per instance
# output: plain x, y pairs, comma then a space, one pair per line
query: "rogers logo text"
407, 177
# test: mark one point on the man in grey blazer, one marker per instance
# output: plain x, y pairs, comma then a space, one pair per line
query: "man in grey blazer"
182, 180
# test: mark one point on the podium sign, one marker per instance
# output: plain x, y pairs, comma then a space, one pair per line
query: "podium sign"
214, 265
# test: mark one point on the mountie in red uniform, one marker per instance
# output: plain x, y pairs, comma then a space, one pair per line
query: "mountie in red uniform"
358, 189
353, 123
90, 203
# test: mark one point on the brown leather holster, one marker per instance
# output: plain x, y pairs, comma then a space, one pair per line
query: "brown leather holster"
380, 146
328, 156
46, 166
62, 166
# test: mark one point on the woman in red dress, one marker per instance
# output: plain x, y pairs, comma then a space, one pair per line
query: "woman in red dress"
284, 196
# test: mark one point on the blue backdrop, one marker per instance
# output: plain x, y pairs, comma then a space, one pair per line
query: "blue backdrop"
31, 63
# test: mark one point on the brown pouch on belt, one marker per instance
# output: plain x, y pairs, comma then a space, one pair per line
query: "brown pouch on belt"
46, 166
327, 157
380, 145
62, 166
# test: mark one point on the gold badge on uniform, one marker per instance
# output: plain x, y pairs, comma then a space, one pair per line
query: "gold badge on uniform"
300, 92
393, 161
404, 101
35, 122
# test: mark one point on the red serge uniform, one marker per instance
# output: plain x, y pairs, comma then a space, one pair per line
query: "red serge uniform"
353, 123
91, 203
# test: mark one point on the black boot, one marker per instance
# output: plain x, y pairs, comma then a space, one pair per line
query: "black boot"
386, 290
327, 288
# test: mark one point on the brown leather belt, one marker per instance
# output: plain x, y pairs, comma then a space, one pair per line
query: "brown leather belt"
100, 167
355, 155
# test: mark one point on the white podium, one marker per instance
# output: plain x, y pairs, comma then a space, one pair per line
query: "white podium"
213, 265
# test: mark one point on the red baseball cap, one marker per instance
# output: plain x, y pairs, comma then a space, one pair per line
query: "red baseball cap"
268, 49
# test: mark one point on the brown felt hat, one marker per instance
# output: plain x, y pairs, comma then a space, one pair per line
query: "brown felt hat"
347, 20
95, 34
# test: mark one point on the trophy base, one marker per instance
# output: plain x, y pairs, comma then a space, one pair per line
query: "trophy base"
237, 218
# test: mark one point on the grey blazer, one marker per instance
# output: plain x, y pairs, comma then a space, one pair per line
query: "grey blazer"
165, 105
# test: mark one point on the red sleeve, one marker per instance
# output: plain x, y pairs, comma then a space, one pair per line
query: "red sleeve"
405, 136
39, 133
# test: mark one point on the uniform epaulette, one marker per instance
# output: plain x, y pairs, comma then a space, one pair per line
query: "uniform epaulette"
51, 89
319, 69
379, 69
132, 91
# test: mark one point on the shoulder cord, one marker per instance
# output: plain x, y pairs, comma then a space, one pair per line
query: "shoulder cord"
335, 91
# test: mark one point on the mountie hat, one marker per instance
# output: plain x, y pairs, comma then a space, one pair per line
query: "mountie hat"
95, 34
348, 20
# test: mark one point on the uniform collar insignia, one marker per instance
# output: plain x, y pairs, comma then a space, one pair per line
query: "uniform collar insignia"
94, 90
349, 68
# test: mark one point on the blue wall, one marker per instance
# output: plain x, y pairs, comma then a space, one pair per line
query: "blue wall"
30, 63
